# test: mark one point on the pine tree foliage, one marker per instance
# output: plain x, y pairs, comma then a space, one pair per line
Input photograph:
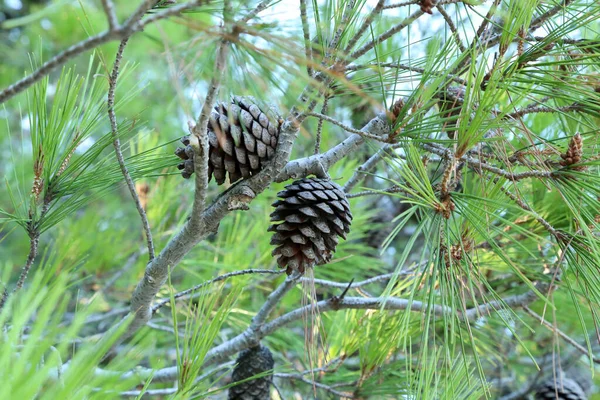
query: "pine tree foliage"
464, 135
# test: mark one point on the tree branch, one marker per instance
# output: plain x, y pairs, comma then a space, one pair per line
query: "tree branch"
184, 293
560, 333
118, 33
109, 9
112, 84
315, 164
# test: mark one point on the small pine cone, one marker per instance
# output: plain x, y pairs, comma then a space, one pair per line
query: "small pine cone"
187, 155
565, 388
427, 6
574, 152
313, 213
252, 362
241, 139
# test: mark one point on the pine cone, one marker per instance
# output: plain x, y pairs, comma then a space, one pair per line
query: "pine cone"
187, 154
566, 388
427, 6
314, 212
573, 153
241, 138
252, 362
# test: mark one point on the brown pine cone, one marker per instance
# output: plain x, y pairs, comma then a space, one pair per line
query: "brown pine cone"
251, 362
241, 139
313, 212
427, 6
560, 389
573, 153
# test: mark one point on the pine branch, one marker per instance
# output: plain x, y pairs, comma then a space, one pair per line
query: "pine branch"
366, 24
315, 164
33, 251
563, 335
252, 335
347, 128
112, 84
327, 388
184, 294
386, 35
109, 10
306, 34
117, 33
452, 27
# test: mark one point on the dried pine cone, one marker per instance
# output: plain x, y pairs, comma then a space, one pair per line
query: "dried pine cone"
313, 213
560, 389
427, 6
573, 153
187, 154
252, 362
241, 137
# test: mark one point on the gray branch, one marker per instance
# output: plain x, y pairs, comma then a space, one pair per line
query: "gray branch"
118, 33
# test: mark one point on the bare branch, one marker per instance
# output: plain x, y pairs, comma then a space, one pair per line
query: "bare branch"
33, 250
355, 67
306, 33
378, 127
125, 30
452, 27
320, 126
346, 127
185, 293
112, 84
386, 35
479, 165
366, 167
274, 299
260, 7
109, 9
327, 388
560, 333
367, 22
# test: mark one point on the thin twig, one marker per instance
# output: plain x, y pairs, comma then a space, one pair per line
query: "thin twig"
452, 27
112, 84
274, 299
365, 168
200, 129
33, 250
306, 33
320, 126
346, 127
184, 293
538, 217
542, 109
109, 9
386, 35
560, 333
260, 7
338, 33
444, 152
367, 22
252, 335
355, 67
118, 33
403, 4
391, 189
327, 388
